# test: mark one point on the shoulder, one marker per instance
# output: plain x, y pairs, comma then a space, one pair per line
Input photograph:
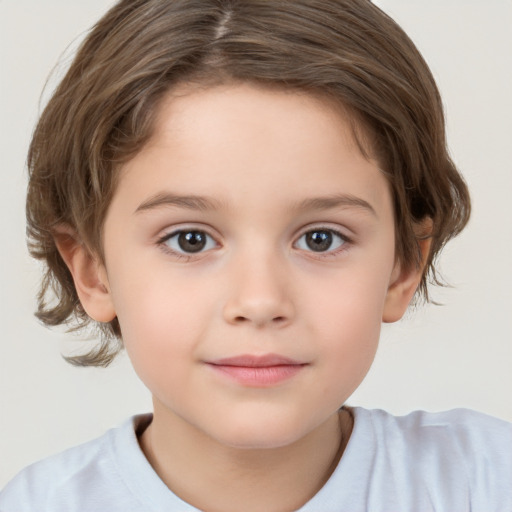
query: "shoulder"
71, 478
470, 432
456, 419
446, 452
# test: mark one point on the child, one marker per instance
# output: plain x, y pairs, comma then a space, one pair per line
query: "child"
242, 191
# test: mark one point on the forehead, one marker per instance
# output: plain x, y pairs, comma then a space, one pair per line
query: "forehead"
272, 108
244, 141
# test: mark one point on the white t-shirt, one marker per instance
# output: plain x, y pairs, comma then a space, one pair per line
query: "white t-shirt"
454, 461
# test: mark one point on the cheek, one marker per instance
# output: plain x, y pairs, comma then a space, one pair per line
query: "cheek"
349, 329
159, 335
346, 322
161, 315
349, 299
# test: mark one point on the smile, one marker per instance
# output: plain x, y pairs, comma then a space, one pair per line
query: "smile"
257, 371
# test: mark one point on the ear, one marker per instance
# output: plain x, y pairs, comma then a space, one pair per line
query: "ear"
89, 275
404, 281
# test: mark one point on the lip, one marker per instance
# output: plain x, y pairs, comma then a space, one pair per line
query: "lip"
257, 371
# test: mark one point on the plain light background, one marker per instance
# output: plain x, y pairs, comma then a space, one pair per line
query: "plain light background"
440, 357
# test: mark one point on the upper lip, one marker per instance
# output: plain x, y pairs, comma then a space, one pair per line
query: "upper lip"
256, 361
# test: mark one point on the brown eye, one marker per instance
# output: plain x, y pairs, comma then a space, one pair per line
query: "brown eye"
193, 241
321, 240
189, 242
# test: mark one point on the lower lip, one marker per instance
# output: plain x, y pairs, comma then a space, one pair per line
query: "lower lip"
261, 376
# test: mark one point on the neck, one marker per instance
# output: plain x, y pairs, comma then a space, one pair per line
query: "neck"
197, 468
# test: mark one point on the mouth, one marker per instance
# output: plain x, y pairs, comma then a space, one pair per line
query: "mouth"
257, 371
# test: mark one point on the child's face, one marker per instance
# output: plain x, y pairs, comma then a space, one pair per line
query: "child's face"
251, 225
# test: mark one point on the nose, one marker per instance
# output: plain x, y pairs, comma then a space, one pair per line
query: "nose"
259, 293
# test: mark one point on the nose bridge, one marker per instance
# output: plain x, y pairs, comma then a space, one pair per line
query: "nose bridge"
259, 291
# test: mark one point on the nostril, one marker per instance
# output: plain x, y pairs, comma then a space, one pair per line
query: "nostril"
242, 319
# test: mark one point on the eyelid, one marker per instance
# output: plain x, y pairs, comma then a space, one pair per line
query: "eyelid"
176, 230
344, 233
347, 240
170, 231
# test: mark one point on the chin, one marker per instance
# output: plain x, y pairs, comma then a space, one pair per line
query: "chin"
259, 435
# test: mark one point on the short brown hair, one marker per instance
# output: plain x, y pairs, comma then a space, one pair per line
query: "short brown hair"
102, 113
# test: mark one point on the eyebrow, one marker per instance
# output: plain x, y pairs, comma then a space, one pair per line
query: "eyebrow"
191, 202
203, 203
335, 201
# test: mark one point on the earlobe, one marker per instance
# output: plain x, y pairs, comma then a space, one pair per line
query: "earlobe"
404, 283
401, 290
89, 275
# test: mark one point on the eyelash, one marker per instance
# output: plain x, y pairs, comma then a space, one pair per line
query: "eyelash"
346, 242
162, 243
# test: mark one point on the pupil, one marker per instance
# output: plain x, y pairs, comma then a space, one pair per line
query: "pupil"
192, 241
319, 240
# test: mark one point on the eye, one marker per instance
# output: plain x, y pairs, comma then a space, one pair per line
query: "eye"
321, 240
188, 241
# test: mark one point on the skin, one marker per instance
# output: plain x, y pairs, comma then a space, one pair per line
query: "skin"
261, 157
